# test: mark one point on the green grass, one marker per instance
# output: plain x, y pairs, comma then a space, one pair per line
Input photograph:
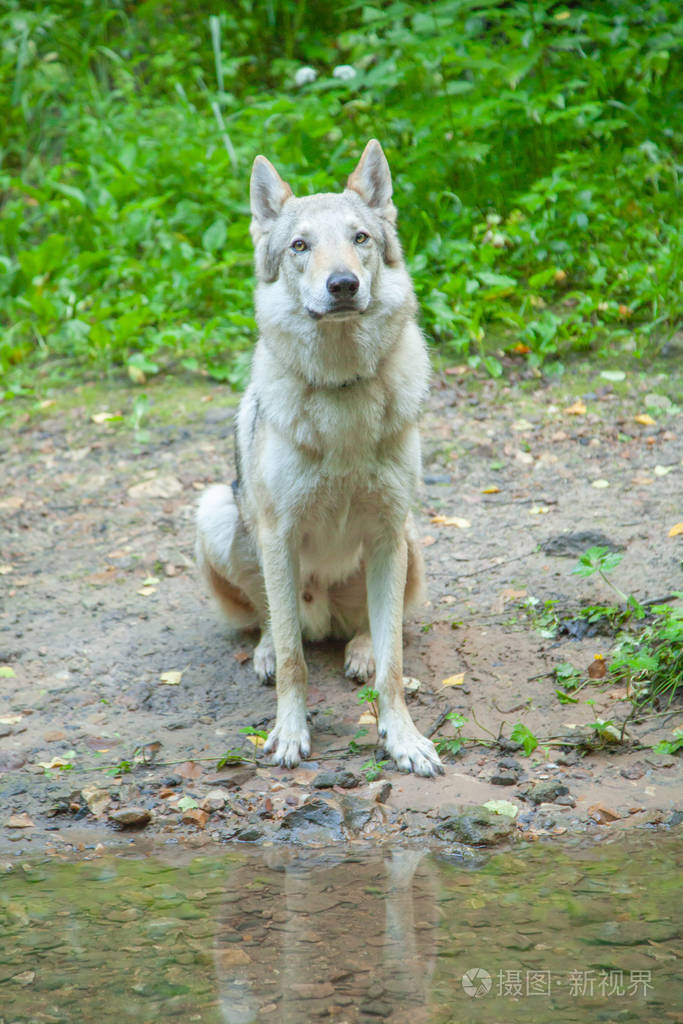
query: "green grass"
532, 146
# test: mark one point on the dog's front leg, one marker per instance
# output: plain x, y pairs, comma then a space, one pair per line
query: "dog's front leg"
290, 739
386, 580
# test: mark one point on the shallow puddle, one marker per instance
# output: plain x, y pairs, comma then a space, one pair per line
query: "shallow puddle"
537, 934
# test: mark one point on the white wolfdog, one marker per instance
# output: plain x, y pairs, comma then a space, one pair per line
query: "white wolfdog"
316, 536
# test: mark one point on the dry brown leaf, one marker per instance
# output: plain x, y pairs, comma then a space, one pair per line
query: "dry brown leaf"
189, 770
457, 680
597, 668
367, 718
427, 541
241, 656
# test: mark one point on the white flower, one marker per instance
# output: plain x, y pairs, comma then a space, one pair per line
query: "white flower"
344, 72
305, 76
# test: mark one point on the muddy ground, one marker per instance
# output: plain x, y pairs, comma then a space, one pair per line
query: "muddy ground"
114, 658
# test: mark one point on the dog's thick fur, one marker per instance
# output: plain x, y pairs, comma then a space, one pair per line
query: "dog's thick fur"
316, 535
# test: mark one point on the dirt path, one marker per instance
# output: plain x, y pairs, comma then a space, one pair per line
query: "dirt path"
100, 599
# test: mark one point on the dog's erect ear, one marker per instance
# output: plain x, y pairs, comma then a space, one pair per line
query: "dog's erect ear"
268, 193
372, 177
372, 181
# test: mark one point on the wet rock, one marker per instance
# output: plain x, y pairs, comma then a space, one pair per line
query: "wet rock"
566, 800
475, 826
171, 781
568, 759
316, 814
343, 779
509, 764
5, 730
357, 812
675, 819
131, 817
546, 791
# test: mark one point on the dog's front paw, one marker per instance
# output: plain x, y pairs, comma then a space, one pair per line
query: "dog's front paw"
359, 658
288, 743
411, 751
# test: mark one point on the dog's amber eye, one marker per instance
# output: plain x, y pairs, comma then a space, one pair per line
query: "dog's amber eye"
298, 245
361, 237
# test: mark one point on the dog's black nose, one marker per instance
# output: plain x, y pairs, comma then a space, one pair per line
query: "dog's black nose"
343, 285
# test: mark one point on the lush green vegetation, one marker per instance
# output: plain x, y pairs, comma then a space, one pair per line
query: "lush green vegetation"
532, 146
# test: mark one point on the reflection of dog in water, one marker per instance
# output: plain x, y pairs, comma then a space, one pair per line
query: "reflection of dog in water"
329, 940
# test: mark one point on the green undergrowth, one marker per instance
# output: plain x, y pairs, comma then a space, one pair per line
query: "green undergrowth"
532, 147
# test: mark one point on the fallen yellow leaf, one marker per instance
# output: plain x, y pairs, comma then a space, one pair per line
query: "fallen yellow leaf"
367, 718
644, 419
462, 524
146, 591
676, 530
171, 678
577, 409
539, 510
456, 680
491, 490
258, 741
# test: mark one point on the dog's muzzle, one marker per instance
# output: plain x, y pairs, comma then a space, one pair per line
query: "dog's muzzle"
342, 287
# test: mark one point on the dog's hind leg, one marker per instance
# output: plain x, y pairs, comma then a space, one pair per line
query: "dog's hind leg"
227, 559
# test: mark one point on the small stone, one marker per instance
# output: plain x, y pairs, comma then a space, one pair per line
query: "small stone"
215, 800
131, 817
603, 815
475, 826
510, 764
504, 779
380, 790
546, 791
357, 812
568, 759
195, 816
312, 989
634, 771
566, 800
343, 779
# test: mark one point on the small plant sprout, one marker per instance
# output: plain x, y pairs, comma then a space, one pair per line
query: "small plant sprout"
601, 560
451, 745
370, 697
521, 734
372, 769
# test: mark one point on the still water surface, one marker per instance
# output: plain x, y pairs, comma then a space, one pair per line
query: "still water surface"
538, 934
